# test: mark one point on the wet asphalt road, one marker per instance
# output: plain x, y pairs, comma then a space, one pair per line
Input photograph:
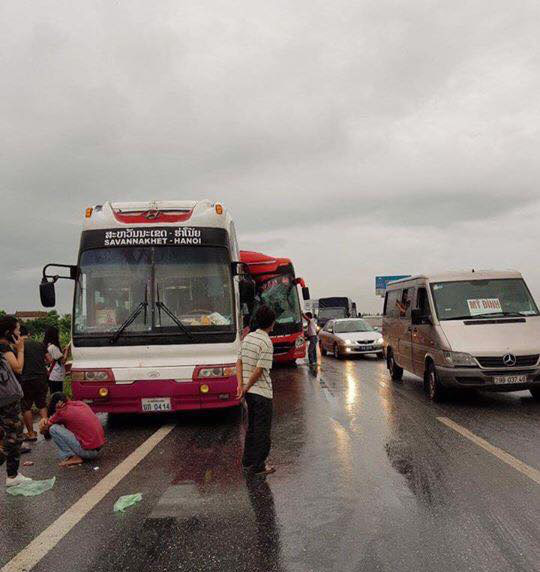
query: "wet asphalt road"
368, 479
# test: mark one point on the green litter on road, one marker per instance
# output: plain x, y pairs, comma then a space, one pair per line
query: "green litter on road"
31, 488
126, 501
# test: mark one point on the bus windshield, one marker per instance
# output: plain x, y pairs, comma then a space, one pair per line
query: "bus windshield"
482, 299
280, 293
192, 283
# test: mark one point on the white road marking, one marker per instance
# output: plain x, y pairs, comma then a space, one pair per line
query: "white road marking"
51, 536
532, 473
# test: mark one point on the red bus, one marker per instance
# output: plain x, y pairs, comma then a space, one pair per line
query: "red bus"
277, 286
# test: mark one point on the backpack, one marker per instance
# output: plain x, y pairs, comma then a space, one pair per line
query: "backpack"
9, 385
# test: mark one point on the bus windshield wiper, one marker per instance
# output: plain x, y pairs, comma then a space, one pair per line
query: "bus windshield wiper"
134, 315
161, 306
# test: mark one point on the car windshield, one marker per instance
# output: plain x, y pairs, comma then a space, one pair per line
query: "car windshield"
194, 283
280, 293
483, 299
332, 313
351, 326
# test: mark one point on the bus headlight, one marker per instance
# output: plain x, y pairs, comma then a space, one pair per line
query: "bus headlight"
300, 342
92, 375
215, 372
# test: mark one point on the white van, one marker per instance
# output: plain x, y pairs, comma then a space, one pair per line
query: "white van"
476, 330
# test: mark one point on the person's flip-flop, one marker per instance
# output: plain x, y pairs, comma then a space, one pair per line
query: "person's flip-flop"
268, 470
25, 450
29, 439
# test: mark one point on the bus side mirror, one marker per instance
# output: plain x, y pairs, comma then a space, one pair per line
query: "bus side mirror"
247, 293
305, 293
47, 294
239, 269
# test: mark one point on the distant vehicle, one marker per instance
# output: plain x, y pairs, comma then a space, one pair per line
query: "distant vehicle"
156, 316
350, 336
277, 286
335, 308
466, 330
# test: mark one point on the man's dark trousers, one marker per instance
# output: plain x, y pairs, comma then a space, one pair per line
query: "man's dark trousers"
312, 350
258, 435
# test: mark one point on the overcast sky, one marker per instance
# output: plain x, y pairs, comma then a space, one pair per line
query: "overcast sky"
358, 138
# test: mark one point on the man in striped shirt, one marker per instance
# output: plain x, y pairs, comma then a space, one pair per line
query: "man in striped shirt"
254, 384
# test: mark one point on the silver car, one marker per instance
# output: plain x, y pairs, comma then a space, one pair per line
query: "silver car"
350, 336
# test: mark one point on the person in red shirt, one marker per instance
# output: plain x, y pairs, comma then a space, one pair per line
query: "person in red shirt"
75, 430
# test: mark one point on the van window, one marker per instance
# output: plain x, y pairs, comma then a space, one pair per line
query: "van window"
483, 298
404, 304
390, 308
422, 302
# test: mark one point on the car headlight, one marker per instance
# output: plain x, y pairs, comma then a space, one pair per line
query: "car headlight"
349, 343
300, 342
460, 359
379, 342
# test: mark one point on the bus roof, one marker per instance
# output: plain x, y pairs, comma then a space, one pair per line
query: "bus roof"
157, 213
457, 276
261, 264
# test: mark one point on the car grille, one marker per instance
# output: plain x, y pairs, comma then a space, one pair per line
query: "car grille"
496, 361
366, 343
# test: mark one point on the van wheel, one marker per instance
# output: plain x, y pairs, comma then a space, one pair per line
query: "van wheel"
535, 392
433, 386
323, 350
337, 355
396, 372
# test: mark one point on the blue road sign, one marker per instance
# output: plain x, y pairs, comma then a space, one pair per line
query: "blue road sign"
381, 282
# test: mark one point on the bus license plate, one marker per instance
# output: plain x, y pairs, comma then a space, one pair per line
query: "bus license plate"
501, 379
156, 404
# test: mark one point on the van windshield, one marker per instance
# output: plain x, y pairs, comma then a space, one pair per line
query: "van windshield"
483, 299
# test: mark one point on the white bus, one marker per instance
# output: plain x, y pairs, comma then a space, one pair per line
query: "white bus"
157, 316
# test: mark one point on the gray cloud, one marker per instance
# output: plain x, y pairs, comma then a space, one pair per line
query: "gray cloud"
416, 120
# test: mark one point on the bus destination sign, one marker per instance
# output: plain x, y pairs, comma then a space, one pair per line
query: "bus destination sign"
154, 236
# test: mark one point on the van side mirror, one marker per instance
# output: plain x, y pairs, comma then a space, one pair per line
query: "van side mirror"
47, 293
417, 318
305, 293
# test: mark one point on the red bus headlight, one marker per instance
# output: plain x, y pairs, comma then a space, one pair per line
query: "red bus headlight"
95, 375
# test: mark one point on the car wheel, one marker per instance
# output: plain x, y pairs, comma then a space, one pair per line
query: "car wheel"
433, 386
323, 349
337, 355
535, 392
396, 372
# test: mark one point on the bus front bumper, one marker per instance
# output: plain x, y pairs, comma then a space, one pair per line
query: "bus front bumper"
164, 394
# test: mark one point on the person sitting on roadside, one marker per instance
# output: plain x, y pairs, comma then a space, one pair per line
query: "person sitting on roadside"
33, 383
75, 430
10, 409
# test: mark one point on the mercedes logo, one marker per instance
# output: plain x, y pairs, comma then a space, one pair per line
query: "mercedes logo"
509, 360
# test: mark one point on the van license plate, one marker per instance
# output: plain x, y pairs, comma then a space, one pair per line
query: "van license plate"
501, 379
156, 404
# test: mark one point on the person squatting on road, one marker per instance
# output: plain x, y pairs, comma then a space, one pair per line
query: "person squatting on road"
56, 358
312, 337
33, 383
11, 394
255, 385
75, 430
